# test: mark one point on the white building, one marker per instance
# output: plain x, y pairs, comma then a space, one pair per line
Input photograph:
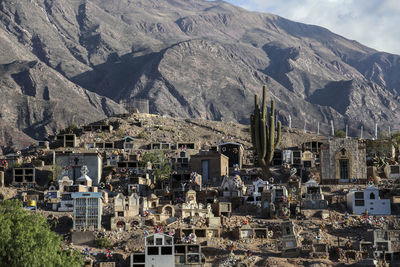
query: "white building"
255, 191
360, 201
159, 251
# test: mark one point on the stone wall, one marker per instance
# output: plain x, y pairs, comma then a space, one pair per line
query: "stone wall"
343, 148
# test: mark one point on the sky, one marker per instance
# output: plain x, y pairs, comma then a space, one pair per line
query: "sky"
374, 23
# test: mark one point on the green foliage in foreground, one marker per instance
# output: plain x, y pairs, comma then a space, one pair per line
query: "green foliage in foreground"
26, 240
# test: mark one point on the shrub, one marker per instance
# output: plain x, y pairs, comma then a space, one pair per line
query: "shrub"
143, 135
102, 242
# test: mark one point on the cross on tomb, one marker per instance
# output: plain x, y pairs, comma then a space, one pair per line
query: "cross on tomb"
76, 160
84, 170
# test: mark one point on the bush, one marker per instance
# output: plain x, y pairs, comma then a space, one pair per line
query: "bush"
340, 134
102, 242
143, 135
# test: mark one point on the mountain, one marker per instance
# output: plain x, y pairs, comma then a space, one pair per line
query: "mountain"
74, 61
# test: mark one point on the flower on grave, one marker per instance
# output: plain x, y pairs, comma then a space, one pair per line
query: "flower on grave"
4, 163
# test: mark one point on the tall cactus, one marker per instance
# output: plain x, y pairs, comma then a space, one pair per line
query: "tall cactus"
263, 132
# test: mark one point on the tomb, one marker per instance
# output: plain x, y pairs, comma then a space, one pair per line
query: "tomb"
43, 144
99, 145
67, 188
87, 211
159, 251
190, 208
206, 232
274, 202
128, 164
160, 146
213, 166
277, 160
126, 210
185, 146
256, 190
188, 255
234, 151
24, 176
393, 171
368, 200
246, 232
139, 184
113, 159
297, 156
314, 198
128, 142
232, 187
222, 208
343, 160
294, 188
312, 146
308, 160
98, 127
68, 140
320, 251
74, 162
181, 160
290, 246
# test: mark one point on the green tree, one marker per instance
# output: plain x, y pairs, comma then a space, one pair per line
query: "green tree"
161, 166
26, 240
340, 134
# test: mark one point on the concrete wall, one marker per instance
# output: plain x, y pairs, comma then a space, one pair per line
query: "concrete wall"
374, 206
93, 161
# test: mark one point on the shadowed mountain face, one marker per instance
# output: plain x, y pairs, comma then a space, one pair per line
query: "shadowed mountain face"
64, 61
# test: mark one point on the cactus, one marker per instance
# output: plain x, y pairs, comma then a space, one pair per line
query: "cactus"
263, 132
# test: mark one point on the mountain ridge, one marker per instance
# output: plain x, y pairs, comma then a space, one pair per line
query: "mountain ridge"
191, 59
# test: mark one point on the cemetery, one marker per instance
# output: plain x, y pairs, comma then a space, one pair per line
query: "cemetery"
170, 192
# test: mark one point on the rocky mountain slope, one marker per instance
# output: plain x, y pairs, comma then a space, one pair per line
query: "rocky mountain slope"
64, 61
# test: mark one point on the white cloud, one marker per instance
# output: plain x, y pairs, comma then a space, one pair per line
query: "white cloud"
375, 23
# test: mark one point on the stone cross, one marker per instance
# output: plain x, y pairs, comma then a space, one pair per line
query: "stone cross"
183, 186
84, 170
